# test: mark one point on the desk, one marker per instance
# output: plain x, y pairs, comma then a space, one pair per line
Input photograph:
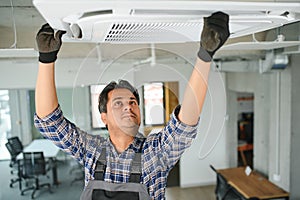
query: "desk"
254, 185
50, 152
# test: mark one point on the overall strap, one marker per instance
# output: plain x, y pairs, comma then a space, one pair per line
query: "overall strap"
136, 165
135, 171
101, 166
136, 168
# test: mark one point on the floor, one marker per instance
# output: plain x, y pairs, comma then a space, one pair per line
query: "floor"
67, 190
199, 193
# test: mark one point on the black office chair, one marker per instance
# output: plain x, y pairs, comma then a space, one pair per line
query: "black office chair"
14, 147
34, 165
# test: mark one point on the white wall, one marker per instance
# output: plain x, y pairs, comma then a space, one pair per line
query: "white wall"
271, 154
20, 115
18, 74
295, 127
280, 129
210, 144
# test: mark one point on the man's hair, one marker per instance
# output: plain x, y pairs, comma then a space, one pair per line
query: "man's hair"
103, 97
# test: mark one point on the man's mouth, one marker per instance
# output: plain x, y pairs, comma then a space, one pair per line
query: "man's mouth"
129, 115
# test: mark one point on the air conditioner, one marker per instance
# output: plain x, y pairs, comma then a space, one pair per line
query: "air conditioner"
158, 21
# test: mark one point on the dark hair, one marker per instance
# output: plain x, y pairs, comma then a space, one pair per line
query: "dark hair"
103, 97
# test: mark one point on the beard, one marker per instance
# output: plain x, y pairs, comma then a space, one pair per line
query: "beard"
129, 124
131, 131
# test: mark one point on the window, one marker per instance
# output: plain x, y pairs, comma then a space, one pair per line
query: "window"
154, 103
95, 90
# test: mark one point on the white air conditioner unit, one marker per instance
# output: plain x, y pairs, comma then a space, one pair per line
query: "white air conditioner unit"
129, 21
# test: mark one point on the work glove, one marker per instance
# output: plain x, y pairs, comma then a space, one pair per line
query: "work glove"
214, 34
48, 43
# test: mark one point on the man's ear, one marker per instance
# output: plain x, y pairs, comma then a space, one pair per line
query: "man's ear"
103, 118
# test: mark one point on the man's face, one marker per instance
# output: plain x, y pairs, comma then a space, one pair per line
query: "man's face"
123, 112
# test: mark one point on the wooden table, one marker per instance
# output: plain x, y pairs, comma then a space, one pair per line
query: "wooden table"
254, 185
50, 152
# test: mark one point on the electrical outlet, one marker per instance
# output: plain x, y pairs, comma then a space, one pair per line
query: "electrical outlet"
276, 177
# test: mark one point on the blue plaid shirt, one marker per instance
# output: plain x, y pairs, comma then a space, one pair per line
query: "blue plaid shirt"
160, 151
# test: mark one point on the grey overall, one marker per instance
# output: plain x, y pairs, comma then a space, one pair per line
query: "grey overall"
98, 189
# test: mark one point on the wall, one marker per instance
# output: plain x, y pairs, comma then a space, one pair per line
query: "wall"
280, 128
295, 127
271, 118
20, 115
209, 147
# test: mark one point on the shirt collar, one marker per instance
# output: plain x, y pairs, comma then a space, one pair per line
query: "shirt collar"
136, 145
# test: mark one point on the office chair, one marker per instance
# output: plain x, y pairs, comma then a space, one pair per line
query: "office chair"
34, 165
14, 147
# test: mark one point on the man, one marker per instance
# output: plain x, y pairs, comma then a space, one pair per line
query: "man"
125, 163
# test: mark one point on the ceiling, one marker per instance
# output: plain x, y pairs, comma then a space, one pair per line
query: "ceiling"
20, 21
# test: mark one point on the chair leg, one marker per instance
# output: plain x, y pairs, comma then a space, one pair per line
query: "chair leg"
27, 189
13, 181
34, 187
48, 185
38, 188
33, 192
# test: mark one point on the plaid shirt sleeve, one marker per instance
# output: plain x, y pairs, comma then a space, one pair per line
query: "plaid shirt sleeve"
161, 152
177, 137
173, 140
68, 137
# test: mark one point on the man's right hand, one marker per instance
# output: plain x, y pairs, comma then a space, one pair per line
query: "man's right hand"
48, 43
214, 34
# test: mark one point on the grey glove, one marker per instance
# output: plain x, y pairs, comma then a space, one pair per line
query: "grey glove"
214, 34
48, 43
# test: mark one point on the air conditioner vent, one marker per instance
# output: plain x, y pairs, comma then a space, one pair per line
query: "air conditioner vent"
158, 31
159, 21
96, 13
188, 13
169, 12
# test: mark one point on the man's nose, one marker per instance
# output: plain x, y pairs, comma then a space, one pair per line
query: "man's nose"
127, 107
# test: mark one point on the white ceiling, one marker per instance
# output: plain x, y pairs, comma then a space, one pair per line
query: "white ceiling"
20, 18
20, 23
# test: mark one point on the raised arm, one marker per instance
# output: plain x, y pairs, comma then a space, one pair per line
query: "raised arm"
45, 92
214, 34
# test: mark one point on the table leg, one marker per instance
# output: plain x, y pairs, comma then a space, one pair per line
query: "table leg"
19, 174
54, 171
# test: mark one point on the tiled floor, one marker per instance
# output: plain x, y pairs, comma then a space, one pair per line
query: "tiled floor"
67, 191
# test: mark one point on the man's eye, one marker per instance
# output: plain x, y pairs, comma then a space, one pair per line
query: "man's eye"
132, 103
118, 103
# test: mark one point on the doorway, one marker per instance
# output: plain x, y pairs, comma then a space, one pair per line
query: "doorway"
245, 129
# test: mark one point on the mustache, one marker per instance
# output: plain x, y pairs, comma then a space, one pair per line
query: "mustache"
129, 114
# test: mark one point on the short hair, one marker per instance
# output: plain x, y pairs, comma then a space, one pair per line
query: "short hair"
103, 97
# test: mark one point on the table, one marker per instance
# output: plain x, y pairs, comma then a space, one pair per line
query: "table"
254, 185
50, 152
